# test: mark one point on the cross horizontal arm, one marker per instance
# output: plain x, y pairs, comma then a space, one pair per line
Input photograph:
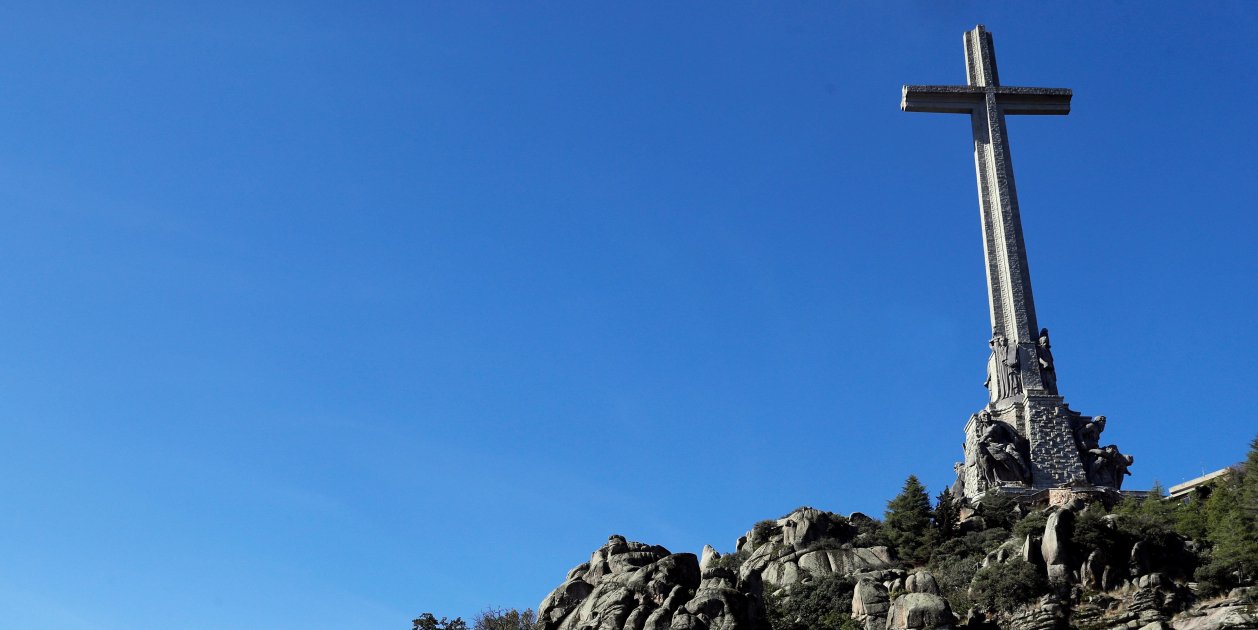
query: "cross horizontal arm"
961, 99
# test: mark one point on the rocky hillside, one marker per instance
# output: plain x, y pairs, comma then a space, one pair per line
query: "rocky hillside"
1071, 566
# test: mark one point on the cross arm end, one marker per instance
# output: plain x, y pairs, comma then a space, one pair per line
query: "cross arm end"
947, 99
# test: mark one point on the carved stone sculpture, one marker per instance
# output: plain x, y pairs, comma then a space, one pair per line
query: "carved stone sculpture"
1003, 376
1021, 374
1109, 466
1088, 435
1048, 373
1001, 452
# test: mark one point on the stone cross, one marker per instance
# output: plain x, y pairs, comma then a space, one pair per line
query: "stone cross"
1015, 333
1026, 441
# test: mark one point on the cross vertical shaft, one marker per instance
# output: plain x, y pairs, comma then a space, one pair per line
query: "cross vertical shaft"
1011, 304
1026, 440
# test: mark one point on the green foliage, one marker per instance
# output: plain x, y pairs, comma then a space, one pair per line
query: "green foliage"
1031, 525
954, 563
997, 510
505, 619
1091, 531
427, 621
1190, 519
1005, 586
1249, 482
1231, 515
946, 514
1151, 518
907, 523
761, 531
869, 533
824, 603
731, 561
1215, 578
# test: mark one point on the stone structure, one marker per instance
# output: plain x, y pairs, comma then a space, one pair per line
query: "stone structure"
1026, 439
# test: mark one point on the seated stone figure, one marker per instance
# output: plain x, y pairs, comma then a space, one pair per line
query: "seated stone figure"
1000, 451
1088, 434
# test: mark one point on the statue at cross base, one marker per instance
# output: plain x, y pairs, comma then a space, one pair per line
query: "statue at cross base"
1027, 439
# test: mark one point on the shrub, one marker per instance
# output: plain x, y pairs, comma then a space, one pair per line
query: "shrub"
761, 531
505, 619
997, 510
1092, 532
954, 563
1030, 525
824, 603
428, 621
731, 561
1007, 585
1214, 578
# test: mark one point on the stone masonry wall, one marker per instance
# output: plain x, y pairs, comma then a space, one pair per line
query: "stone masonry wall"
1054, 456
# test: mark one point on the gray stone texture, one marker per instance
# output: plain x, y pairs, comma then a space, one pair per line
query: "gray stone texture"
717, 605
1055, 547
1022, 377
870, 603
624, 582
924, 611
810, 543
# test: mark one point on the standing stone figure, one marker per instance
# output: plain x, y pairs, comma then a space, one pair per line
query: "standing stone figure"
1048, 374
1000, 451
1003, 377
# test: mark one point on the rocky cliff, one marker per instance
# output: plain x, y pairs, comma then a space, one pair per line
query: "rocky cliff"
816, 569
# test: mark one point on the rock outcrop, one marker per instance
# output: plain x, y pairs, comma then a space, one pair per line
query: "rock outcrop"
920, 611
717, 605
810, 543
800, 568
1055, 546
625, 585
870, 603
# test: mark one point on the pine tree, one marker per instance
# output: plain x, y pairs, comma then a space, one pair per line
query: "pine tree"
1249, 482
907, 522
945, 515
1231, 515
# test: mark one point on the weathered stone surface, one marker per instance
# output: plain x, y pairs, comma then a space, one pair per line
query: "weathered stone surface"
622, 586
708, 556
661, 618
1036, 447
921, 582
870, 603
717, 605
1046, 615
1093, 570
1031, 550
1141, 562
919, 611
1235, 617
1055, 548
809, 542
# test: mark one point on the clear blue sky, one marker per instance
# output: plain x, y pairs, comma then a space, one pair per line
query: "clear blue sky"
320, 316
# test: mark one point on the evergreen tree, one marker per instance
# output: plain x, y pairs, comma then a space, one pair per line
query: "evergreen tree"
1249, 482
1231, 515
907, 522
428, 621
1190, 518
1233, 518
946, 514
